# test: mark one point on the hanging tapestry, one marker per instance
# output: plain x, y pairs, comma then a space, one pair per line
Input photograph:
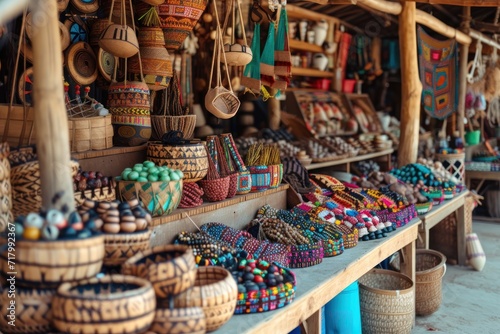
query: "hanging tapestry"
438, 73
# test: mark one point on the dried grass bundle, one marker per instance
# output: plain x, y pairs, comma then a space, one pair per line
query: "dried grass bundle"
266, 155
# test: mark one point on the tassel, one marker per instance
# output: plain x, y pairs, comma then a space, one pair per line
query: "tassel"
267, 58
251, 74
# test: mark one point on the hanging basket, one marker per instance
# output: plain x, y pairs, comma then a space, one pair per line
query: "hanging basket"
171, 269
191, 159
119, 40
215, 291
163, 124
221, 102
114, 304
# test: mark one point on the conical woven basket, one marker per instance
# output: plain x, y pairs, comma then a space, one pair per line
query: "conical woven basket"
387, 301
215, 291
163, 124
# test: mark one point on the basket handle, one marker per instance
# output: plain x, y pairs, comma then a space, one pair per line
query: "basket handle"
219, 38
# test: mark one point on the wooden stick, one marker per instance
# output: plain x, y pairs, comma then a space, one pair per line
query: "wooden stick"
464, 52
50, 111
411, 88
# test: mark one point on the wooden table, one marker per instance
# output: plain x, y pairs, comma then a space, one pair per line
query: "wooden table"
441, 211
480, 175
318, 284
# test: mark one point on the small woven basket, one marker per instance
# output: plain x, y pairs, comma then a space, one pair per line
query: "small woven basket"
171, 268
50, 263
32, 309
276, 172
163, 124
122, 246
216, 292
261, 177
215, 190
113, 304
233, 185
387, 302
159, 198
243, 182
454, 164
104, 194
188, 320
90, 133
5, 188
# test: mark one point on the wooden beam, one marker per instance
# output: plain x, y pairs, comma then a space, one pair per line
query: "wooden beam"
393, 8
465, 3
431, 22
464, 59
411, 87
486, 40
335, 9
383, 15
50, 111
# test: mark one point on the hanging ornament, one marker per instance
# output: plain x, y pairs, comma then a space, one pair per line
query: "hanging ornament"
237, 54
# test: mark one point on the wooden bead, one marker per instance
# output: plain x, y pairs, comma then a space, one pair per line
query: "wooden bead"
31, 233
111, 228
128, 227
141, 223
34, 220
50, 232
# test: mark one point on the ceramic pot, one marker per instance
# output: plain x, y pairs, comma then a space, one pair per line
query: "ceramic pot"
320, 61
320, 30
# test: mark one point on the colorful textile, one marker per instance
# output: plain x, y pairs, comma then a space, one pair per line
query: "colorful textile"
438, 68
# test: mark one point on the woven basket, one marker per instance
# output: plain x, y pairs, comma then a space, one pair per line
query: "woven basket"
159, 198
171, 268
119, 40
243, 182
32, 311
163, 124
191, 159
387, 302
112, 304
104, 194
50, 263
189, 320
215, 190
430, 269
90, 133
276, 172
454, 164
233, 185
261, 177
307, 255
5, 188
21, 130
122, 246
215, 291
26, 187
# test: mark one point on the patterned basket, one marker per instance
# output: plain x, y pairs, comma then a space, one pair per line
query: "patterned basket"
216, 292
188, 320
50, 263
261, 177
191, 195
215, 190
26, 187
33, 313
191, 159
113, 304
5, 188
120, 247
454, 164
276, 172
243, 183
387, 301
104, 194
90, 133
163, 124
171, 268
159, 198
307, 255
233, 185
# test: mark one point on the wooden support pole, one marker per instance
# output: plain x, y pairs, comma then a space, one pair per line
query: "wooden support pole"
274, 108
411, 89
464, 54
50, 111
430, 21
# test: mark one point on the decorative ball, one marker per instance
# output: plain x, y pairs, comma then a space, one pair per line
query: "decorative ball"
34, 220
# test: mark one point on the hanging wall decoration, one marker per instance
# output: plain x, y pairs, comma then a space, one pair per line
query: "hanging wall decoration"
438, 68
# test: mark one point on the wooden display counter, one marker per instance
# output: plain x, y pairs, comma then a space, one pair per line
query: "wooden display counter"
318, 284
345, 163
480, 175
436, 216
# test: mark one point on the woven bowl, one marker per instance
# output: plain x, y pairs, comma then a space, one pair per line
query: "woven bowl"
159, 198
122, 246
261, 177
215, 291
189, 320
215, 190
114, 304
276, 175
33, 302
191, 159
243, 183
50, 263
233, 185
163, 124
171, 268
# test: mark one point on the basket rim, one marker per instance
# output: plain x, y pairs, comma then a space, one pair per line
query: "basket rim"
389, 292
432, 252
143, 286
159, 143
88, 118
119, 180
132, 261
46, 243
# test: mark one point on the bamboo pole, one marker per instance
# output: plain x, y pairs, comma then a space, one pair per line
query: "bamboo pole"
464, 55
50, 111
411, 89
440, 27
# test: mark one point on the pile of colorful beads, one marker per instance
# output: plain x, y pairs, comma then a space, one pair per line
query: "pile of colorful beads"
115, 217
53, 225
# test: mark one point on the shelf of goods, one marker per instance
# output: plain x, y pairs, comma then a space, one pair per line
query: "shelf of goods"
319, 284
311, 72
386, 154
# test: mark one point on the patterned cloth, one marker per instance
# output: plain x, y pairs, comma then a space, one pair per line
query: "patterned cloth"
438, 67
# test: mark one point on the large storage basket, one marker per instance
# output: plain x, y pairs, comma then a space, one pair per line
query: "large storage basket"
454, 164
90, 133
387, 301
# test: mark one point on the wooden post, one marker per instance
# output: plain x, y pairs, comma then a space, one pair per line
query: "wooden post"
464, 55
411, 89
50, 111
274, 109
